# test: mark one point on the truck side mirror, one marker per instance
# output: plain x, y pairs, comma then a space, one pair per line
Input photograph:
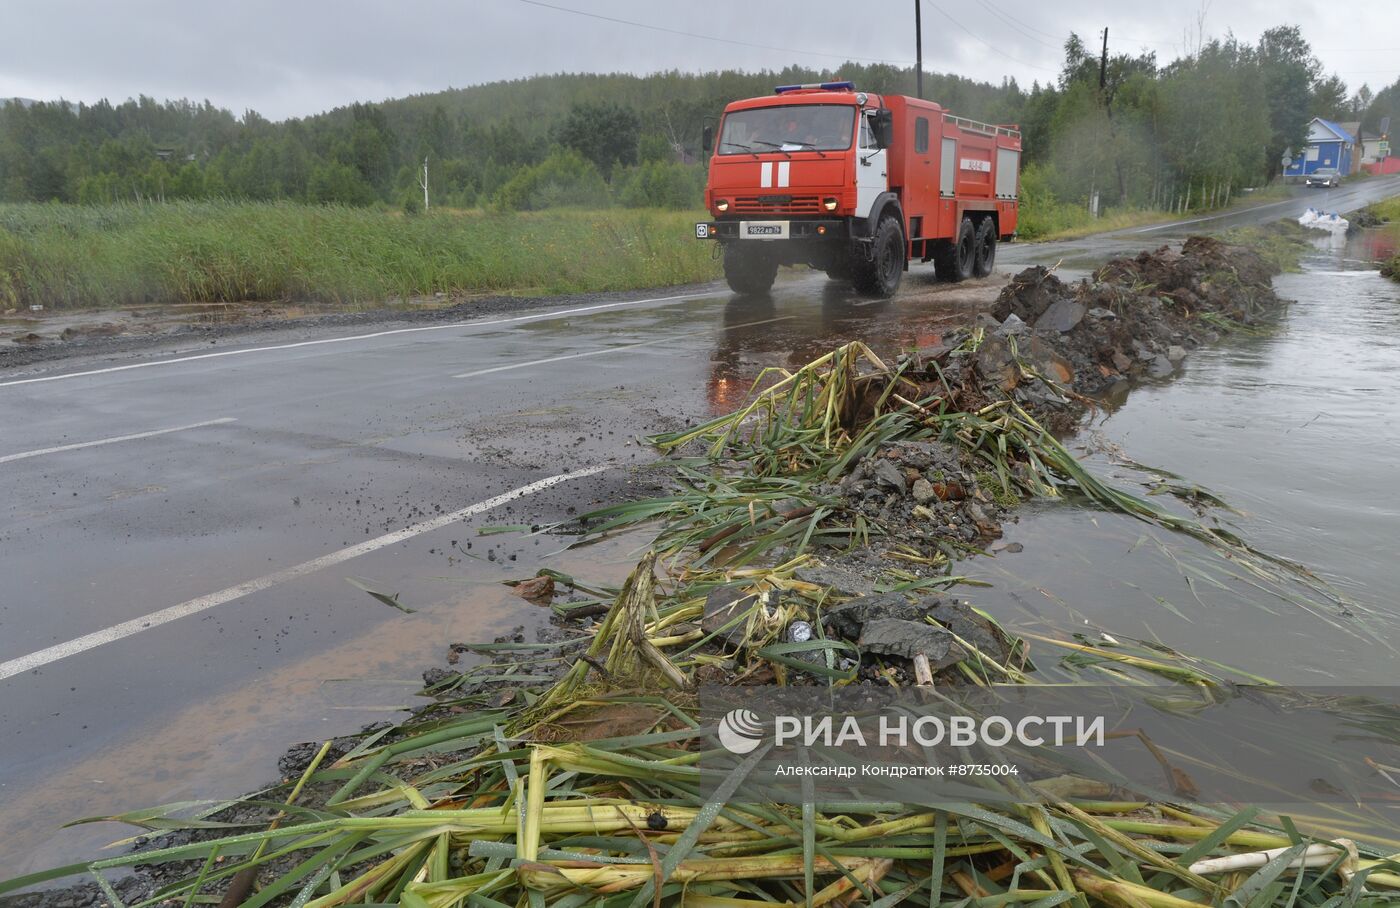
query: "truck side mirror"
882, 127
707, 138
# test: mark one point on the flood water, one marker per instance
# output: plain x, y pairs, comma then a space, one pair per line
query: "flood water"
1299, 429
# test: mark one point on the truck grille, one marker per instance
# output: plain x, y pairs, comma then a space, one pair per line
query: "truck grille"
769, 204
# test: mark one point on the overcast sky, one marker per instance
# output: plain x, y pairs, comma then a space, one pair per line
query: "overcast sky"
295, 57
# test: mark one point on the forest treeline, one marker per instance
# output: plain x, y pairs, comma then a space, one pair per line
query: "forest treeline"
1139, 133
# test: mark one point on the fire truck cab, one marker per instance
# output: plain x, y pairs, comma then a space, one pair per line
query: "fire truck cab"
856, 185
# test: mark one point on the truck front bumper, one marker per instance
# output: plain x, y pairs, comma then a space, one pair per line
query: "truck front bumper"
775, 228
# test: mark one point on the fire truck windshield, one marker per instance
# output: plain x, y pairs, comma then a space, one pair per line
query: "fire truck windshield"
793, 127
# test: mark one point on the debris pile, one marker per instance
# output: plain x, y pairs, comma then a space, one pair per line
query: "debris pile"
919, 490
1134, 318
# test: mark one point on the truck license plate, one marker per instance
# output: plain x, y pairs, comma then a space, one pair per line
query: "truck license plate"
763, 230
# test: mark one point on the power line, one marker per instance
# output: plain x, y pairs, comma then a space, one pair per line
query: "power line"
1025, 25
1032, 27
676, 31
992, 47
1015, 25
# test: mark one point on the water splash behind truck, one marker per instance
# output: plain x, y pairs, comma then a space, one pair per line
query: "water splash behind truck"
857, 185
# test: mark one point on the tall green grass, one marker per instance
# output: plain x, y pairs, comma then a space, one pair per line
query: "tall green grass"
65, 256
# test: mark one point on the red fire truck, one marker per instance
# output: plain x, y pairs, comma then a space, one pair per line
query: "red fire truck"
856, 185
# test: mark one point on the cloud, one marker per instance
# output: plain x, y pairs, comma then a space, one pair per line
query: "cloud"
293, 58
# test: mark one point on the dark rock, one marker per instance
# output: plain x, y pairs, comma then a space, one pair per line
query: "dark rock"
725, 613
996, 364
1062, 316
986, 526
898, 637
938, 353
887, 474
1049, 362
847, 619
432, 677
1013, 327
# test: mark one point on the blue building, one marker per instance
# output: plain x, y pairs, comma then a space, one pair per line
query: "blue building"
1330, 147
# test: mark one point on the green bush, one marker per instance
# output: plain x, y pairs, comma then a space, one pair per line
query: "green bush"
1041, 213
338, 184
565, 178
662, 184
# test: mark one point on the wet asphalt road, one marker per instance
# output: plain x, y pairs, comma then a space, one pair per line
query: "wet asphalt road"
286, 455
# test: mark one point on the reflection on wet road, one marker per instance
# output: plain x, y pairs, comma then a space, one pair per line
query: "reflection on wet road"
918, 317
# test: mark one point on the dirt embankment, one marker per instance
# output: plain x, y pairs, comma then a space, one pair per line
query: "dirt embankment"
1135, 318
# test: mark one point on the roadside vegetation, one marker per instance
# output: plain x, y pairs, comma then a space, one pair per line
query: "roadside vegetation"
1043, 217
1389, 211
118, 255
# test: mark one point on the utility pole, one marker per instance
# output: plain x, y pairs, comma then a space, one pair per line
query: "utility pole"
424, 182
1103, 62
918, 49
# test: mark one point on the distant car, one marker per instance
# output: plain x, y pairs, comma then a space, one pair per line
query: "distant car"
1328, 177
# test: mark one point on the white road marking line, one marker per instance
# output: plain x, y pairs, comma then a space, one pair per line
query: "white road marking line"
561, 358
194, 606
555, 313
1213, 217
556, 359
111, 441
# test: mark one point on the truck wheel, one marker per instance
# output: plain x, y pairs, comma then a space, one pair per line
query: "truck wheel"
881, 275
748, 271
954, 261
985, 256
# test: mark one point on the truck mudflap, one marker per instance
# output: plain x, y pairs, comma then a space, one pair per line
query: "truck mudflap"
770, 229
